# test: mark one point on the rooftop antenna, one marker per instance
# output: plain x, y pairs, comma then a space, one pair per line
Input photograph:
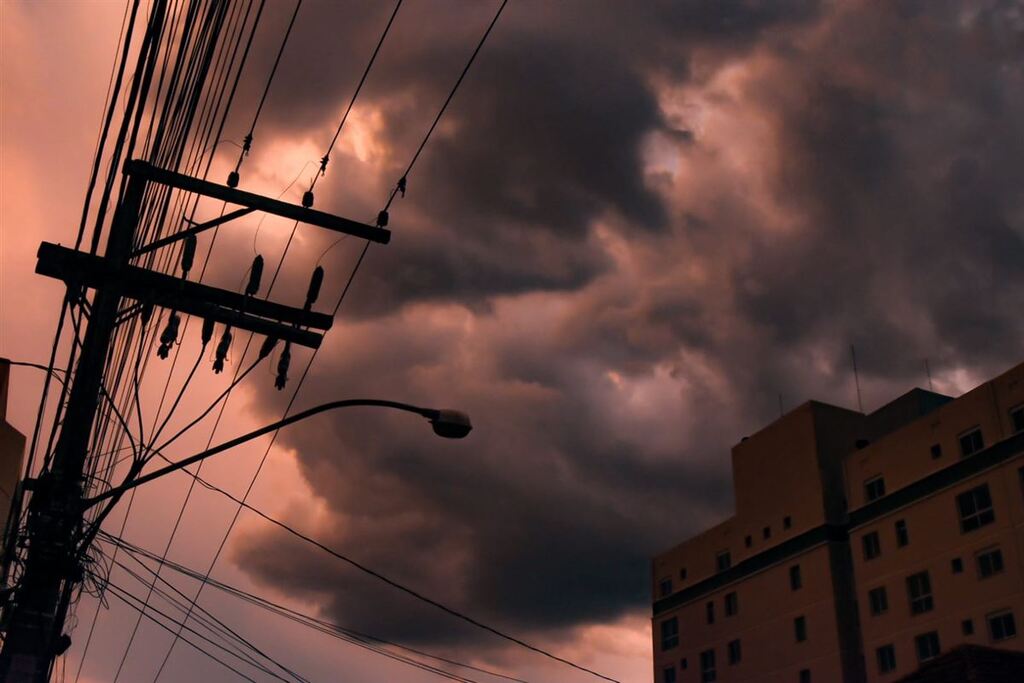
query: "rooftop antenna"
928, 371
856, 378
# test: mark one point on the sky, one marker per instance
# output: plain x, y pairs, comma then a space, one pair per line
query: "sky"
639, 232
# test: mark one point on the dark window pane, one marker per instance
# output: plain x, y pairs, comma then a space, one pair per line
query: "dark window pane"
872, 545
748, 541
971, 442
723, 561
967, 626
735, 655
958, 565
805, 676
878, 600
709, 610
1002, 626
669, 633
975, 508
668, 675
902, 534
936, 451
919, 590
787, 522
990, 562
707, 667
766, 532
874, 489
665, 587
927, 646
795, 580
800, 629
1017, 419
731, 604
886, 656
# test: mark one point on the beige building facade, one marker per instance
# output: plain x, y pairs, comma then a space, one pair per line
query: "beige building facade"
862, 545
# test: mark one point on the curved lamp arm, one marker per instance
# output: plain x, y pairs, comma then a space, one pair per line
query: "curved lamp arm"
450, 424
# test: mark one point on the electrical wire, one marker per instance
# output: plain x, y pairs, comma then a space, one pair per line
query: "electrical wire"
360, 639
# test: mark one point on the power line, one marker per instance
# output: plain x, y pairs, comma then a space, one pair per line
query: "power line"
329, 628
385, 579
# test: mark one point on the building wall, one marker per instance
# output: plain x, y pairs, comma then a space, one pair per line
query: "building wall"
763, 624
805, 468
12, 448
935, 537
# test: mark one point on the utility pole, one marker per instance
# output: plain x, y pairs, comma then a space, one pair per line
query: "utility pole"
34, 615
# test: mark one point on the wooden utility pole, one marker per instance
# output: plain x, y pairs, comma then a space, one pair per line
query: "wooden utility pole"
55, 540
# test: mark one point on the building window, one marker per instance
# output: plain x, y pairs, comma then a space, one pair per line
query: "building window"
805, 676
975, 508
682, 574
990, 561
927, 646
670, 633
732, 605
668, 674
683, 664
787, 522
936, 451
902, 535
795, 580
766, 532
707, 666
800, 629
919, 589
1001, 626
748, 541
874, 489
958, 565
734, 652
709, 610
872, 545
886, 656
665, 586
971, 442
723, 561
878, 600
967, 626
1017, 419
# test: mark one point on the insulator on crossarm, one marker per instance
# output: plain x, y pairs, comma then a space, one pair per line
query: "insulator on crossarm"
255, 274
282, 366
207, 331
146, 312
382, 219
188, 254
314, 287
268, 345
401, 185
307, 198
169, 335
222, 350
233, 179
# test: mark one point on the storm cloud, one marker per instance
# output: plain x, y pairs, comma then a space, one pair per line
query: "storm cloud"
638, 230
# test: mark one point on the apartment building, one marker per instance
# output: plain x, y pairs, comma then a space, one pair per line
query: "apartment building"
12, 447
861, 547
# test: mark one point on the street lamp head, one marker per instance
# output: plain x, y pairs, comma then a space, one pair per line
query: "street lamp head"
451, 424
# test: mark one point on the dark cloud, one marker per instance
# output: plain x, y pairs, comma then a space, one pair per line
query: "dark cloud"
639, 232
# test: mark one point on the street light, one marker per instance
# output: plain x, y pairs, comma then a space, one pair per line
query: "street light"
447, 423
